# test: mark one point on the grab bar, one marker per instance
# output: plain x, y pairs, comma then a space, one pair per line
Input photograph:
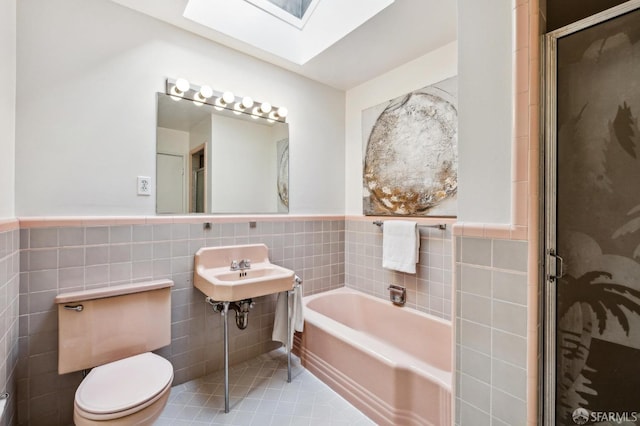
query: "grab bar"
442, 226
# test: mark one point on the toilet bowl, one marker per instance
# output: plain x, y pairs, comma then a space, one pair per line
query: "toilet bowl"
112, 331
133, 390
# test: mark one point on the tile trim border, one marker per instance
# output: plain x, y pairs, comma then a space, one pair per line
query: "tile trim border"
84, 221
9, 224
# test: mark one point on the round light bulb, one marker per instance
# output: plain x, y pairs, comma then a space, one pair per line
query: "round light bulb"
282, 112
256, 112
228, 97
182, 85
205, 92
265, 107
175, 94
247, 102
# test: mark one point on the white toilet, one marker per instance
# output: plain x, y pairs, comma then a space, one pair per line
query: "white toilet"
113, 331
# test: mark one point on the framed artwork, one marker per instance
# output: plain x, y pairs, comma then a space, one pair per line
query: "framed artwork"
410, 153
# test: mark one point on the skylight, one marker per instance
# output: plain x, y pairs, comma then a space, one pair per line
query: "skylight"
274, 25
293, 12
295, 7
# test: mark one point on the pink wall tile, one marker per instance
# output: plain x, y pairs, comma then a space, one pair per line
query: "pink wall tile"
521, 26
519, 233
502, 232
521, 74
521, 114
520, 160
9, 224
520, 194
473, 230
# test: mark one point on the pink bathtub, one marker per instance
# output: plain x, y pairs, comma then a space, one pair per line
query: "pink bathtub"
393, 363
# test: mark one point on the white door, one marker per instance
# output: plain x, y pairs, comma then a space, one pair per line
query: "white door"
170, 183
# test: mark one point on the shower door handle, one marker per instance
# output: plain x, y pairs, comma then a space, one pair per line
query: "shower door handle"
559, 266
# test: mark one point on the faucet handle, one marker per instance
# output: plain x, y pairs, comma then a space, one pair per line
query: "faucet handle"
247, 263
234, 265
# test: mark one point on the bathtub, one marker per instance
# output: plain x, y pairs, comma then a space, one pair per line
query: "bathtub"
392, 363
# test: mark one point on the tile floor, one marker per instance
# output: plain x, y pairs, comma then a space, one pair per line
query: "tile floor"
260, 395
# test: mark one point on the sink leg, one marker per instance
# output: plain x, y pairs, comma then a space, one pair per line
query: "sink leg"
225, 315
289, 342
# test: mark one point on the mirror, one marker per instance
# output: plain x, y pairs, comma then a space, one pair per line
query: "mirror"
212, 160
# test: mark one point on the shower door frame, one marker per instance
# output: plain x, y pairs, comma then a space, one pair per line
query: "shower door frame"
552, 266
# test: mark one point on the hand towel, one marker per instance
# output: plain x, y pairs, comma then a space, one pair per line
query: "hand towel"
400, 245
296, 317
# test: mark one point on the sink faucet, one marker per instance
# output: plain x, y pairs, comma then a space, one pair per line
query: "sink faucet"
241, 265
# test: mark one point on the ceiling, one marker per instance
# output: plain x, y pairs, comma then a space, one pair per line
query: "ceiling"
403, 31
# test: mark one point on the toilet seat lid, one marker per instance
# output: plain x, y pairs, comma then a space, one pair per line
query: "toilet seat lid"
124, 384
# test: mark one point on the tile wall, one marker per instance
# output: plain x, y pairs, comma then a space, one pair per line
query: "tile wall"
429, 290
491, 331
9, 276
58, 259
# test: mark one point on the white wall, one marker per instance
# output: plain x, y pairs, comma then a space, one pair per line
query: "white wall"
427, 69
243, 173
484, 110
7, 106
171, 141
86, 113
200, 133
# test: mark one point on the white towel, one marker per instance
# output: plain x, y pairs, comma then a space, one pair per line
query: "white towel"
400, 245
296, 318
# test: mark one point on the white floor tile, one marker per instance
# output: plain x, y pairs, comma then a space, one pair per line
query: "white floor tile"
260, 395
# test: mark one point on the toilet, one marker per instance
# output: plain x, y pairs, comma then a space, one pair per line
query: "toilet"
112, 331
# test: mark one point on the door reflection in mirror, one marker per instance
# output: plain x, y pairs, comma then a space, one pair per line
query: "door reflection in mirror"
218, 161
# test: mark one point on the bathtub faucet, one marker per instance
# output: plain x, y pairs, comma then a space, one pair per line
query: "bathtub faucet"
397, 294
241, 265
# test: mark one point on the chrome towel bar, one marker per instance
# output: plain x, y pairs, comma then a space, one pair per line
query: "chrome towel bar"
441, 226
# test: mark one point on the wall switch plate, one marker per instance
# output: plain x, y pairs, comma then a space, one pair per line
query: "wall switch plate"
144, 185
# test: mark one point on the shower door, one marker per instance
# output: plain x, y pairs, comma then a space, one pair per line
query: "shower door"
592, 220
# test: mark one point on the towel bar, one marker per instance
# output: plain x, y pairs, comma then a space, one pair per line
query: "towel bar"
442, 226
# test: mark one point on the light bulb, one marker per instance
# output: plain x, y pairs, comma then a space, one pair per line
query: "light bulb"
247, 102
228, 97
282, 112
205, 92
256, 112
175, 94
265, 107
182, 85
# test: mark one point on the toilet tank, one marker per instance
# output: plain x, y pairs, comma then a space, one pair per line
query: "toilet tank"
107, 324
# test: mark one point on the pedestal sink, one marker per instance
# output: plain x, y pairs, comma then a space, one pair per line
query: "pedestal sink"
223, 274
213, 275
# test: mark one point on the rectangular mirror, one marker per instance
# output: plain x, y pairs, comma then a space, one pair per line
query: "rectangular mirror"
213, 160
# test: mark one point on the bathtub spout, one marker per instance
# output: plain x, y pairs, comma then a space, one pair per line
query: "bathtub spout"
397, 295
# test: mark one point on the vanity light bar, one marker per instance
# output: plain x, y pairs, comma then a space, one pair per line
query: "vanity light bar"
180, 88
